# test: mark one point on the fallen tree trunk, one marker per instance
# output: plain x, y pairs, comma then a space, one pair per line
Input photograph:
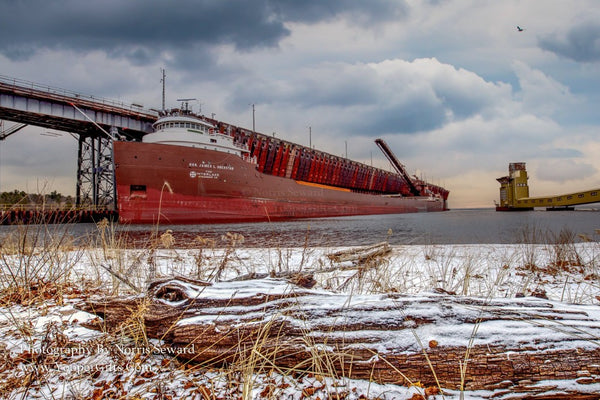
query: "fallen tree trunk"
361, 254
456, 342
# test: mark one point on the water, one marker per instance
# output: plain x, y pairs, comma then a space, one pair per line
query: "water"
462, 226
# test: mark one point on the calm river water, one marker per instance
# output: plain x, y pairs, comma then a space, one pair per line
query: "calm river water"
461, 226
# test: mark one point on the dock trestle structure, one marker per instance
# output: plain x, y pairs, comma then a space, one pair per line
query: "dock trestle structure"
95, 172
514, 194
94, 121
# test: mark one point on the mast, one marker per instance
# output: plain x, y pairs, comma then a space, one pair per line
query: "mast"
164, 76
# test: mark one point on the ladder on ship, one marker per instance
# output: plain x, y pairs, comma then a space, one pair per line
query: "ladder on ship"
397, 165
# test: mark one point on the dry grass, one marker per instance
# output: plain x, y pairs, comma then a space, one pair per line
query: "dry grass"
40, 267
36, 263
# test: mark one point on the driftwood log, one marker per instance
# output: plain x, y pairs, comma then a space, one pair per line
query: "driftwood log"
456, 342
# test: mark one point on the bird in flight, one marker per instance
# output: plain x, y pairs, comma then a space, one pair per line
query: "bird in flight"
520, 29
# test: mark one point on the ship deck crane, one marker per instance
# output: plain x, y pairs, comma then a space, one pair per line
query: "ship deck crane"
397, 165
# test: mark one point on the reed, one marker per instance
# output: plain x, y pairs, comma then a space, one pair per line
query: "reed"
40, 266
36, 261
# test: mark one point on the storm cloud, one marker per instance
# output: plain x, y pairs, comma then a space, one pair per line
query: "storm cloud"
579, 43
139, 30
451, 85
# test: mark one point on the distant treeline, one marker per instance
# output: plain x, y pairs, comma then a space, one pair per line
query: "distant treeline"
18, 198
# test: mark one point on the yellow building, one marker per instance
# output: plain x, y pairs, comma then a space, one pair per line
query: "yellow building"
514, 193
513, 187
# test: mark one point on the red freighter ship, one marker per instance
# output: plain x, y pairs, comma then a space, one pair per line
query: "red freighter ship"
196, 170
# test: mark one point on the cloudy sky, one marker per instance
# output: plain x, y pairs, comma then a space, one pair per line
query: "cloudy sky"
452, 85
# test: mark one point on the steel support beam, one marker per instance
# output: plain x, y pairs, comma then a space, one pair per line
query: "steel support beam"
95, 173
4, 133
28, 103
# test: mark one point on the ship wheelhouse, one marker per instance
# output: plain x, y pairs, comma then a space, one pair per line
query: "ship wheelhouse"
186, 129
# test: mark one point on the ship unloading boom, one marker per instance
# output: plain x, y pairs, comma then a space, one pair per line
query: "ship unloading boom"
397, 165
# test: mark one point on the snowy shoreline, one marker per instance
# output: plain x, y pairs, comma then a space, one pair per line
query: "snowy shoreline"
562, 274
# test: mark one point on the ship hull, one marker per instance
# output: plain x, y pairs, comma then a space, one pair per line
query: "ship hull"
186, 185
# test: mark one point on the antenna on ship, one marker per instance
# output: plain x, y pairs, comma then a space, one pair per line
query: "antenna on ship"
163, 79
186, 102
253, 118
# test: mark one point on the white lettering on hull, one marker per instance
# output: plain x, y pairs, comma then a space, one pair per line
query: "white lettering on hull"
206, 170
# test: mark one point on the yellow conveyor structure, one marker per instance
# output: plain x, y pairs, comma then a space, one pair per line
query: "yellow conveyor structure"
514, 194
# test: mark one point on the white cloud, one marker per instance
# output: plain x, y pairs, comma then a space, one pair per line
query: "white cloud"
564, 170
456, 91
540, 94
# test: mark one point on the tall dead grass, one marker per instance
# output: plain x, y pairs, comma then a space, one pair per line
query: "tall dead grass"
38, 262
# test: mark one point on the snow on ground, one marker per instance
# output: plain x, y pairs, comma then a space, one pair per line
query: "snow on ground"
48, 352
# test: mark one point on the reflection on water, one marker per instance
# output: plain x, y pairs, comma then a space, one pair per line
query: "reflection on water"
466, 226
